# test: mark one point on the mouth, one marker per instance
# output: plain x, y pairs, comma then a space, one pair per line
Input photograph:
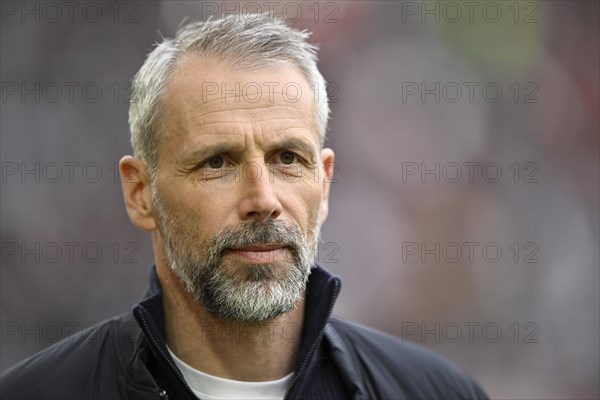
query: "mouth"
259, 253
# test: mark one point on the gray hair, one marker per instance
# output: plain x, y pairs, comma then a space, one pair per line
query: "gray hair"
245, 42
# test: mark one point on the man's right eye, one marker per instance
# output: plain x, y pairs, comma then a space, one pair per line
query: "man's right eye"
215, 162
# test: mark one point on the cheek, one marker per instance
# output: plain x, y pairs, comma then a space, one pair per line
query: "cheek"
194, 214
302, 200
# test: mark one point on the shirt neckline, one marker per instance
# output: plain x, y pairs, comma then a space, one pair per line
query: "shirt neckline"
215, 387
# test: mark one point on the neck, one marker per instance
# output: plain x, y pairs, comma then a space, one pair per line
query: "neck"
229, 349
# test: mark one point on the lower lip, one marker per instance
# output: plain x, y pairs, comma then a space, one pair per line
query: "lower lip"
259, 256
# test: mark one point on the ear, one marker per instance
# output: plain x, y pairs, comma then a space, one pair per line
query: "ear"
327, 158
135, 181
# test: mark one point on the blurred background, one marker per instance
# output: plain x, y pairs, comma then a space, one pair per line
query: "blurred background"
465, 208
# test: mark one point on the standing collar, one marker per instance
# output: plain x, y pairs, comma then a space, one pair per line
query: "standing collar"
321, 293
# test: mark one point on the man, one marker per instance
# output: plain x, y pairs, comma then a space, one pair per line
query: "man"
231, 180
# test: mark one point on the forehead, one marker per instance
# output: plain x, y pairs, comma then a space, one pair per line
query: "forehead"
203, 92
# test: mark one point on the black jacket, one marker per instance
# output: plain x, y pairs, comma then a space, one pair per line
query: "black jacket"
126, 358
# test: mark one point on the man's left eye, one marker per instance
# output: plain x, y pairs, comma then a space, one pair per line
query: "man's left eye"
287, 157
215, 162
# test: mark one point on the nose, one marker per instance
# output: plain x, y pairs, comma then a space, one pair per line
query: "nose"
259, 201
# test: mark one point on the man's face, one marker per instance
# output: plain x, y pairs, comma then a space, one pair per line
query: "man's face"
240, 191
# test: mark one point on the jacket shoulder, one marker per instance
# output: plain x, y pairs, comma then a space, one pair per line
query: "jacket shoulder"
390, 366
82, 365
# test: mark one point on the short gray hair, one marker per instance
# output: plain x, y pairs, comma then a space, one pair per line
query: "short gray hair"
245, 42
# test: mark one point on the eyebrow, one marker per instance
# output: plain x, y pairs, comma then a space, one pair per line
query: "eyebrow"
218, 148
292, 143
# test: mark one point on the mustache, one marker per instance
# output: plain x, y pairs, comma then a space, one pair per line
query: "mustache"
257, 233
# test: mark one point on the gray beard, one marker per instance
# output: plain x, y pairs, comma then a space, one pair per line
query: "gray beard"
240, 291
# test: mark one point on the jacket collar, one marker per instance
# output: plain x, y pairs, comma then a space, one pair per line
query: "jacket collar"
321, 293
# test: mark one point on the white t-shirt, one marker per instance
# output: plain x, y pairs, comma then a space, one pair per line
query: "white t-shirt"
212, 387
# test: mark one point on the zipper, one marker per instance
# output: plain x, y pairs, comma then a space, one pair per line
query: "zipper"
313, 346
163, 393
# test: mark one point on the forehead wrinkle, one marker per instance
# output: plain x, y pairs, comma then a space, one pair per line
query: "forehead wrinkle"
260, 133
232, 122
240, 110
271, 98
254, 121
251, 140
191, 106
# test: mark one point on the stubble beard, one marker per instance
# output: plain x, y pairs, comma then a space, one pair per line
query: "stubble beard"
229, 288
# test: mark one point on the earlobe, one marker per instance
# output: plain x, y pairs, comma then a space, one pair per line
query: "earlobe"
327, 159
137, 192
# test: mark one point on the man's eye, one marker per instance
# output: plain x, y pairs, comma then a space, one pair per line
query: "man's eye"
287, 157
215, 162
